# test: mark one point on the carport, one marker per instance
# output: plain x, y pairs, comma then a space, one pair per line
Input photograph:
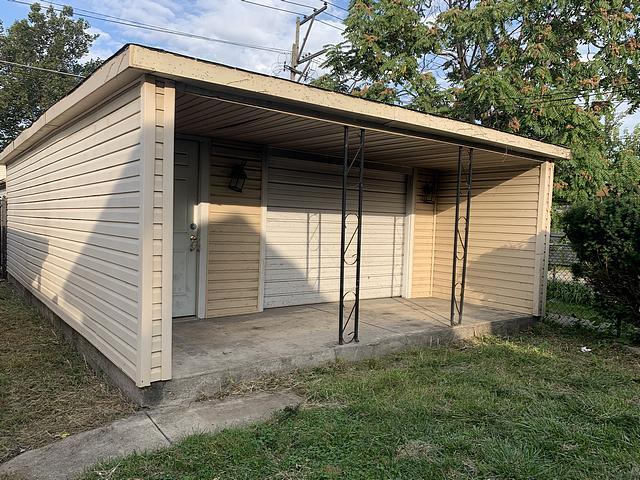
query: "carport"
235, 222
347, 163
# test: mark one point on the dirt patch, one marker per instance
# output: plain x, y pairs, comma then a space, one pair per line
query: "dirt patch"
47, 391
417, 449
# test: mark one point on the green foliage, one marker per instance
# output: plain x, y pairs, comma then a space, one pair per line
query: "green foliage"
547, 70
605, 234
570, 292
625, 163
44, 39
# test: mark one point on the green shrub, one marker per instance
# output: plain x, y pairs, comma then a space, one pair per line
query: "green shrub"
574, 292
605, 234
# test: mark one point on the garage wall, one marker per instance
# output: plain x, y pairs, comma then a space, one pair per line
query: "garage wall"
74, 226
235, 223
501, 268
424, 223
304, 205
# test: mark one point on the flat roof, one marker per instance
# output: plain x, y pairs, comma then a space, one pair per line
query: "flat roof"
279, 94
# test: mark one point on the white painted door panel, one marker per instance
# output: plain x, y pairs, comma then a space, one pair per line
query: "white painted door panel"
185, 251
303, 233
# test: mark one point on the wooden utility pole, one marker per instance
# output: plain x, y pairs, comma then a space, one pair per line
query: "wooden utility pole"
297, 57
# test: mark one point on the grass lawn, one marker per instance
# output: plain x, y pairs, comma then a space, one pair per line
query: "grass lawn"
529, 407
46, 390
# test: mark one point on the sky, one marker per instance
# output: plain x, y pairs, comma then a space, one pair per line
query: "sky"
231, 20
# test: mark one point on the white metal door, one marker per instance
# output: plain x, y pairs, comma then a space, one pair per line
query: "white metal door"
185, 229
303, 233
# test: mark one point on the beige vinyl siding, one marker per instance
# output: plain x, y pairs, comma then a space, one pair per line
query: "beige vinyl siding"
545, 196
73, 225
163, 159
502, 238
235, 219
424, 223
303, 233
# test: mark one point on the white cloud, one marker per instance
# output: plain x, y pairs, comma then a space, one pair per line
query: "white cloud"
232, 20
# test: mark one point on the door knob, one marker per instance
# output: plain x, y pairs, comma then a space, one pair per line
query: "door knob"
194, 242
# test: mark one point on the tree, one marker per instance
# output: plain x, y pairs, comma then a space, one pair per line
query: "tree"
44, 39
553, 70
605, 234
624, 158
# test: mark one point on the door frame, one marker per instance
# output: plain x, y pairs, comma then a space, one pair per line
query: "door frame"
204, 147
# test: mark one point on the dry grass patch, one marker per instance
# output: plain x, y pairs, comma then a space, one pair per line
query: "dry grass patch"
47, 391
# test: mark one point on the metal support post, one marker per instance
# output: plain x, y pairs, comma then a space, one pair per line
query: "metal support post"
345, 261
457, 304
343, 233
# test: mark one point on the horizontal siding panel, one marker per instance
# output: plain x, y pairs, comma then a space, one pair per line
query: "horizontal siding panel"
78, 132
502, 236
126, 200
424, 222
242, 258
105, 142
304, 224
111, 187
85, 314
126, 215
290, 299
75, 253
214, 311
78, 319
78, 264
73, 231
80, 287
233, 266
109, 156
324, 261
104, 243
111, 229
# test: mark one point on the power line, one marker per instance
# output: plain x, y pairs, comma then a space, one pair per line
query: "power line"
31, 67
337, 6
89, 11
144, 26
313, 8
300, 14
557, 96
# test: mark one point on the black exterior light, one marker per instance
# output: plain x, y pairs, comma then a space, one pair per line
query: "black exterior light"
429, 191
238, 177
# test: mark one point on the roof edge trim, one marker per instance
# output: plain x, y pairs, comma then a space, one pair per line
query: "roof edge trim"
89, 91
207, 75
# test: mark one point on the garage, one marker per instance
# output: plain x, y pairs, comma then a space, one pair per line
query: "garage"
302, 263
441, 198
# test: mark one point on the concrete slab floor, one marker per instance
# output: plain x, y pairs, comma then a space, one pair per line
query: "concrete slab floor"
209, 353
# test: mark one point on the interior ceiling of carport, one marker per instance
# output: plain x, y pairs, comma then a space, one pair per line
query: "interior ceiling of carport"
197, 115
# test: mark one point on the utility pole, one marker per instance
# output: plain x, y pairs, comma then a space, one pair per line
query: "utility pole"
297, 57
294, 51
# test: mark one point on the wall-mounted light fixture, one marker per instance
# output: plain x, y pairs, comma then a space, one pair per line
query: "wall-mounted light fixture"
238, 177
429, 190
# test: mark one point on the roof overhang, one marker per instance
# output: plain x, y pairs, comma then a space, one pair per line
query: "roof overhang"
248, 88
